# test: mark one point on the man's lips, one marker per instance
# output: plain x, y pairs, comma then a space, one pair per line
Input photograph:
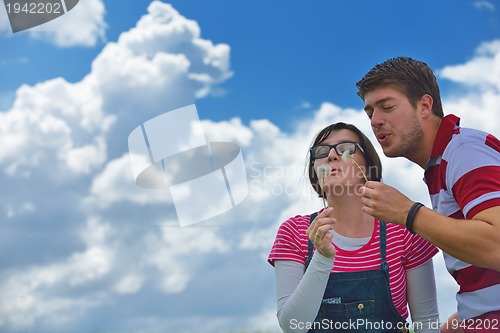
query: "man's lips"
383, 137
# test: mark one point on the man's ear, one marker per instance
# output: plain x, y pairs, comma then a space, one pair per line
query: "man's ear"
425, 104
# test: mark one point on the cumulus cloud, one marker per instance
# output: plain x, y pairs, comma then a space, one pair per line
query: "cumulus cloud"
481, 77
84, 25
105, 250
482, 71
44, 123
64, 158
483, 4
30, 296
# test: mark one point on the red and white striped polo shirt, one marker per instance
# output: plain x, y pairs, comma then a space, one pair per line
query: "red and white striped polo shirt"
463, 178
403, 251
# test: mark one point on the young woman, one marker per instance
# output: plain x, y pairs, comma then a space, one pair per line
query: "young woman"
342, 270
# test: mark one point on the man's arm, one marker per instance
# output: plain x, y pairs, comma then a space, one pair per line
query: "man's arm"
475, 241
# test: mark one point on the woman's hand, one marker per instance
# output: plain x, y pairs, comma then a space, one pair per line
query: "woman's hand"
320, 235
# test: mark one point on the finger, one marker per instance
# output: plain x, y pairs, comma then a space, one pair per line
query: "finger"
367, 192
318, 236
321, 235
325, 213
369, 184
328, 236
323, 230
368, 210
327, 221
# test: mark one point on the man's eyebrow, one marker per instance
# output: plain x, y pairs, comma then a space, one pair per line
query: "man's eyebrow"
380, 101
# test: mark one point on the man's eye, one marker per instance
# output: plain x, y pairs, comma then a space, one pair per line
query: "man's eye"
388, 107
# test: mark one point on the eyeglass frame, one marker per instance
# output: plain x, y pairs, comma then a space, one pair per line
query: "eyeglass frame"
356, 144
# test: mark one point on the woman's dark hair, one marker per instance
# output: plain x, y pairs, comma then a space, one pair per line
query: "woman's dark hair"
373, 165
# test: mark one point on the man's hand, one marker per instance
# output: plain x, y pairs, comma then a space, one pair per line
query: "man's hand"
385, 202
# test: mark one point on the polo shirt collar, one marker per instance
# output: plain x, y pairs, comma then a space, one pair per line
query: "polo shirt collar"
444, 134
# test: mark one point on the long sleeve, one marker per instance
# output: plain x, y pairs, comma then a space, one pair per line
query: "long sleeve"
422, 299
299, 294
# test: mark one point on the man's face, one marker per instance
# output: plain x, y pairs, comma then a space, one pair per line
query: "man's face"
394, 122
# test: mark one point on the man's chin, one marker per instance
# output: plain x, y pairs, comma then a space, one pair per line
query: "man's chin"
390, 152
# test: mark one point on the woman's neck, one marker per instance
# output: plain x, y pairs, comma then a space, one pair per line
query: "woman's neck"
351, 221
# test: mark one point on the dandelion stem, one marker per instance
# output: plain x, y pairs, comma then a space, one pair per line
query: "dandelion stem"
346, 156
364, 175
324, 193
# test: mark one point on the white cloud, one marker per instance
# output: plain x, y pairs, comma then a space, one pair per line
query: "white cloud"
46, 122
32, 295
115, 184
265, 321
481, 75
84, 25
230, 131
483, 71
164, 52
67, 141
72, 137
129, 284
177, 254
86, 158
25, 207
483, 4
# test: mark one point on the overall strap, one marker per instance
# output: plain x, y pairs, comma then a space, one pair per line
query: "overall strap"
383, 265
310, 245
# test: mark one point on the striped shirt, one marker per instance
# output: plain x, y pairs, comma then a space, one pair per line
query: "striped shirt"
404, 251
463, 178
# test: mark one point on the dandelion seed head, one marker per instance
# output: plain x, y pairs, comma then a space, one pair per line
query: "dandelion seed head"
346, 156
323, 170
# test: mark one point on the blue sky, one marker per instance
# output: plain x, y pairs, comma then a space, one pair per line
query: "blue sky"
83, 249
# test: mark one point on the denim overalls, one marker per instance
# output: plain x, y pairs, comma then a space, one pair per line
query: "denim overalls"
358, 301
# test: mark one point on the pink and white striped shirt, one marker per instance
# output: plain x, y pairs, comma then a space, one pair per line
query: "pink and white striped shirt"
463, 178
404, 251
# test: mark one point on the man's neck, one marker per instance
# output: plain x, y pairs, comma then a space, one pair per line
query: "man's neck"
430, 131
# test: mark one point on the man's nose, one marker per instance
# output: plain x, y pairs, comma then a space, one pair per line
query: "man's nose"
376, 119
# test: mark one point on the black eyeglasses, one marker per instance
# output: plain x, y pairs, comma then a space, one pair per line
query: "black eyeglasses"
322, 150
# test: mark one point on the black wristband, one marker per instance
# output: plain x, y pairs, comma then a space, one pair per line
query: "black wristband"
411, 216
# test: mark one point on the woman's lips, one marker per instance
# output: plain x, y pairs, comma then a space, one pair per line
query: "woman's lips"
334, 171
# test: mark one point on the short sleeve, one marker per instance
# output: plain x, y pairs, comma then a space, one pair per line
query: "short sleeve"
473, 174
291, 241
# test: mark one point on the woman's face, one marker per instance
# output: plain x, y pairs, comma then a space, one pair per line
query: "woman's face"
340, 174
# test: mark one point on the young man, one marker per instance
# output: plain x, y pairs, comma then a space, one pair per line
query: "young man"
462, 172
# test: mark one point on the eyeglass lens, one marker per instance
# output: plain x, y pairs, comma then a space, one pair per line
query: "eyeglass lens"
323, 151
